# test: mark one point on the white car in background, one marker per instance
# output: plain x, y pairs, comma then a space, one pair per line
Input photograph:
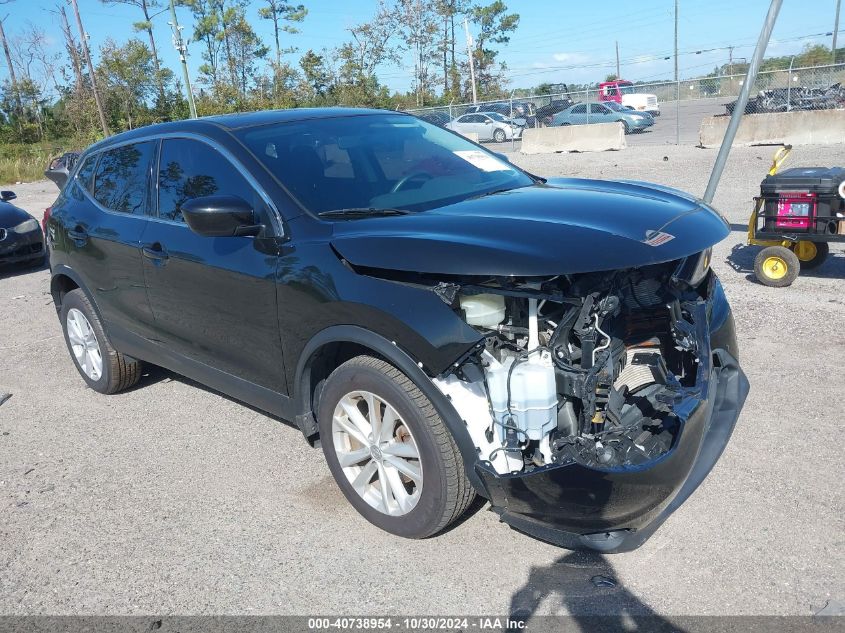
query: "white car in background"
489, 126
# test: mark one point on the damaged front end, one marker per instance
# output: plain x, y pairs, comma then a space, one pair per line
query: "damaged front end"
597, 402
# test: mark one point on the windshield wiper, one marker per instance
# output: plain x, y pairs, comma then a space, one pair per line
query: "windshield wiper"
360, 212
491, 193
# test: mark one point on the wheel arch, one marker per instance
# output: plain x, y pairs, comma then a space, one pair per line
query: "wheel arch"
63, 280
335, 345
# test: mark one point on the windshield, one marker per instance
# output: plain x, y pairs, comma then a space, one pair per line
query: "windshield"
615, 106
626, 89
496, 116
379, 161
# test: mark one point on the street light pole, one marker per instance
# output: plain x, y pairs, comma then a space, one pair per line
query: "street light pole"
835, 29
180, 46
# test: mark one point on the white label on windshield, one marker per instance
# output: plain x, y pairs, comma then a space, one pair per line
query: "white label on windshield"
483, 161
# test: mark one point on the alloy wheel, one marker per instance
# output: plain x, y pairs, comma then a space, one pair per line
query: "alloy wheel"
83, 344
377, 452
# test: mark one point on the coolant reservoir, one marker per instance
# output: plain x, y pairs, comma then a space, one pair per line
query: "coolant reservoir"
533, 394
483, 310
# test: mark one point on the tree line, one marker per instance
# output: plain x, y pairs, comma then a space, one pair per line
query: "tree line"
51, 94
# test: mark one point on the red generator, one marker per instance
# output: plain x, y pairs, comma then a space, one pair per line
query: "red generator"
799, 212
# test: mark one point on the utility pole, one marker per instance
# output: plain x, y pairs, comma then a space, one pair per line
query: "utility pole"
730, 60
471, 61
835, 29
87, 53
182, 48
12, 77
72, 50
677, 84
618, 74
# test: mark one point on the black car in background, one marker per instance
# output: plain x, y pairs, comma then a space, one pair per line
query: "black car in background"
21, 239
546, 112
522, 112
441, 322
439, 119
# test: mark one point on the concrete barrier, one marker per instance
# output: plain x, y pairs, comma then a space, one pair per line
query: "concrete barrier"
795, 128
594, 137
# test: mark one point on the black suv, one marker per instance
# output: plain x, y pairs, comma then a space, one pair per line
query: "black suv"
441, 322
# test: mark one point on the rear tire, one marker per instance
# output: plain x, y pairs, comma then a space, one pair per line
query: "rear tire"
811, 254
101, 366
776, 266
367, 403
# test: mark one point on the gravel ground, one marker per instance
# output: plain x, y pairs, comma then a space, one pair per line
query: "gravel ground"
174, 499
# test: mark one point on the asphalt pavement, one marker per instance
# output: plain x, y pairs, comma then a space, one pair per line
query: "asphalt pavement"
173, 499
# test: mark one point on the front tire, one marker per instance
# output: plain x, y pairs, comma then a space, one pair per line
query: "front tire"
101, 366
776, 266
388, 450
499, 136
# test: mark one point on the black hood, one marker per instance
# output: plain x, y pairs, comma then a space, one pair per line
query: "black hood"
563, 226
10, 215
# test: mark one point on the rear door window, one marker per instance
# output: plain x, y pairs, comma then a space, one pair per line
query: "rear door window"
190, 169
122, 178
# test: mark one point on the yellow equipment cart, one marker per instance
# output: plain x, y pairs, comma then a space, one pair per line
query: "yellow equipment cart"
798, 213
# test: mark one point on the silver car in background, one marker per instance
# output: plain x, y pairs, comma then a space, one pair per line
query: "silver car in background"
489, 126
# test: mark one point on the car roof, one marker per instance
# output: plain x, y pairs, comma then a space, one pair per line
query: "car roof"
238, 121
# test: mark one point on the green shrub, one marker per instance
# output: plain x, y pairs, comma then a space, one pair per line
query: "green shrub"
21, 162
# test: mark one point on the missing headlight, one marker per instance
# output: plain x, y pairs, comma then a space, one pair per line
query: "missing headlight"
582, 368
693, 269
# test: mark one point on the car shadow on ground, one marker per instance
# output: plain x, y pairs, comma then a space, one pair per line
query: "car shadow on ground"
585, 586
741, 260
152, 374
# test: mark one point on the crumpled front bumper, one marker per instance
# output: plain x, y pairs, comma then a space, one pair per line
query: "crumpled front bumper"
617, 510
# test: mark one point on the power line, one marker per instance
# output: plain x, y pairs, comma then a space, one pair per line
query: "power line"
642, 59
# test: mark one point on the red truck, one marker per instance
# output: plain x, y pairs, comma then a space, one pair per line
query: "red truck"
623, 92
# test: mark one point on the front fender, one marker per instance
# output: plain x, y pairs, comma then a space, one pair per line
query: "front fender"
397, 356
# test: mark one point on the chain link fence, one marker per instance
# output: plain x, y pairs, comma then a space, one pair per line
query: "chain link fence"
675, 108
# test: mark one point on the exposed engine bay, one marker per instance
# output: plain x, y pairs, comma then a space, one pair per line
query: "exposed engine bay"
574, 368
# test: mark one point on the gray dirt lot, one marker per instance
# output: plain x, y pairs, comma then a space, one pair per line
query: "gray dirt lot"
174, 499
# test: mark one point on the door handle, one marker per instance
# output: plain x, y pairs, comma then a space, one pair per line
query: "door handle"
78, 235
155, 252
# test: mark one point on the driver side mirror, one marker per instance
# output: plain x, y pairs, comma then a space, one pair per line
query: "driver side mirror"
5, 196
220, 216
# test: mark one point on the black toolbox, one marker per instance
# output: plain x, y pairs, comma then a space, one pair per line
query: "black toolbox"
804, 200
